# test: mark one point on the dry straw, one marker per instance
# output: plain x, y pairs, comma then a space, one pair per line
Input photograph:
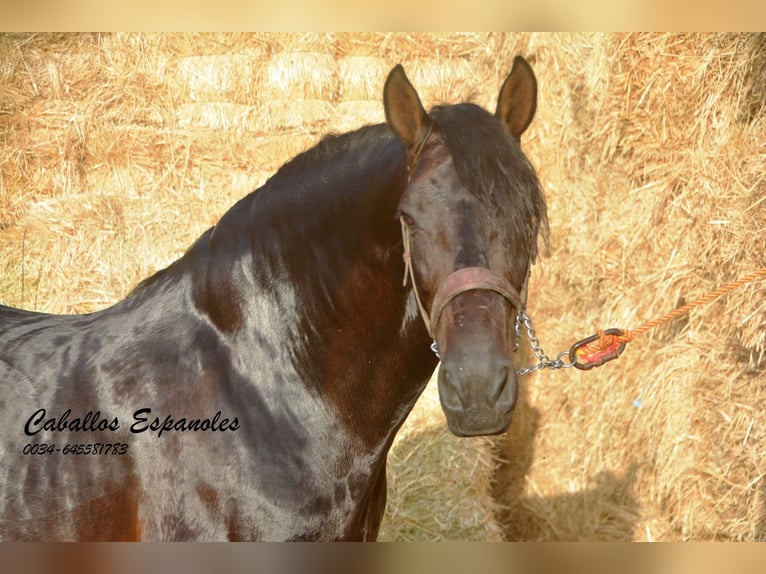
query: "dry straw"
360, 77
655, 198
120, 149
454, 503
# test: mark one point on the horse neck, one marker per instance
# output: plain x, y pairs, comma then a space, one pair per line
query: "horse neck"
327, 269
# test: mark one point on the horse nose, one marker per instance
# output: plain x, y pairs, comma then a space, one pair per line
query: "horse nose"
466, 385
478, 396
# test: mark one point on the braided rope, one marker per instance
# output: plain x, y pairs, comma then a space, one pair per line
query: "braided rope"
612, 343
704, 300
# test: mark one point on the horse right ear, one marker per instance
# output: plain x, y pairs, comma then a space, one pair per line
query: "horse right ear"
405, 114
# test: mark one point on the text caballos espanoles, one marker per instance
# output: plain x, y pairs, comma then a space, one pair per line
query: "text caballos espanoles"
142, 422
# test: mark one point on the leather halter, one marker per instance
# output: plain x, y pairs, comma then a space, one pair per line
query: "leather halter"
457, 282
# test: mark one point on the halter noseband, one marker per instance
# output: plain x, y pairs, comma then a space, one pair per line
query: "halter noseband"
460, 281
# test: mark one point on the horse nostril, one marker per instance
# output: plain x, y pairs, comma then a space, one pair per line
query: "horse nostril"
505, 377
449, 387
481, 383
498, 385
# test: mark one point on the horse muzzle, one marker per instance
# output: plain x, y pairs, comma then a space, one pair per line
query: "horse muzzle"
477, 376
477, 395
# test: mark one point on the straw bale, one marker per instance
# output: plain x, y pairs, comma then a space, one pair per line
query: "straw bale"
289, 42
13, 96
351, 115
224, 78
36, 73
305, 75
55, 114
280, 114
271, 115
215, 115
353, 44
150, 50
361, 78
443, 79
257, 153
396, 46
454, 503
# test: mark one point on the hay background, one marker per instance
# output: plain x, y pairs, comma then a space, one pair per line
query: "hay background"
118, 150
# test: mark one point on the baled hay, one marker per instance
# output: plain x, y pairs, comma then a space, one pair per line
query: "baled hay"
291, 42
443, 79
438, 484
690, 168
353, 44
224, 78
306, 114
267, 151
397, 47
270, 115
126, 92
69, 262
49, 164
305, 75
351, 115
58, 114
217, 116
361, 78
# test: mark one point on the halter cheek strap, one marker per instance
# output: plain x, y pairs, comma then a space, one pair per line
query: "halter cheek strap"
409, 273
460, 281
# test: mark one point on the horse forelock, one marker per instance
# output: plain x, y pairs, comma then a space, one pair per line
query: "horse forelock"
491, 165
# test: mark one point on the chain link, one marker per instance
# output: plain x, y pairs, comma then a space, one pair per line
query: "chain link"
543, 361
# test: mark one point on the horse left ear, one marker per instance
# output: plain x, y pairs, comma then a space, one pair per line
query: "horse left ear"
405, 114
517, 101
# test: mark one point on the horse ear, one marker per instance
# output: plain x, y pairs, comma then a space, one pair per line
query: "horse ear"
404, 112
517, 101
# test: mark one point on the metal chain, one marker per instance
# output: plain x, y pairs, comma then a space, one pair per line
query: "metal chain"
543, 361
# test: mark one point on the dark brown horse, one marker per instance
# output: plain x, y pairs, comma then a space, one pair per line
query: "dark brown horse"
252, 389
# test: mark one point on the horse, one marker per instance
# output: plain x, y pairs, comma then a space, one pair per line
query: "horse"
252, 389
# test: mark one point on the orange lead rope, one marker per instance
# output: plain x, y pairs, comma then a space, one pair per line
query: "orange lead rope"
607, 345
